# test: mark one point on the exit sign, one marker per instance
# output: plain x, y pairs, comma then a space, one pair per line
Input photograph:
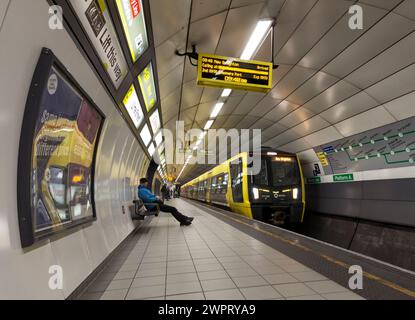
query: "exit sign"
343, 177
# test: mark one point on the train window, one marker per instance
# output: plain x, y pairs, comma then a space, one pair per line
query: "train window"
214, 184
236, 180
284, 173
225, 183
262, 177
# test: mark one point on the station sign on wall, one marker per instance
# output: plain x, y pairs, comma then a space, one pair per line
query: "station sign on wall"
133, 21
96, 20
232, 73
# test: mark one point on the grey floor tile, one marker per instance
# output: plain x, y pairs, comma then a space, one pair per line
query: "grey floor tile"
114, 295
146, 292
156, 298
264, 270
294, 290
91, 296
280, 278
177, 270
182, 277
308, 276
326, 286
188, 296
183, 287
119, 284
151, 273
153, 265
295, 268
123, 275
148, 281
208, 267
260, 293
154, 260
249, 281
243, 272
232, 294
312, 297
98, 286
180, 263
342, 296
199, 262
211, 275
217, 284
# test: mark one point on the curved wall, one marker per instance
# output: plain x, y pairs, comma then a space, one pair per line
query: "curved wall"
120, 162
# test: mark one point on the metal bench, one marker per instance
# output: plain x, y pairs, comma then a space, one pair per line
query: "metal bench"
140, 212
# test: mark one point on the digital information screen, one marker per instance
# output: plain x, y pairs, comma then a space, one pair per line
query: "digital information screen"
133, 107
96, 20
232, 73
148, 88
133, 21
60, 131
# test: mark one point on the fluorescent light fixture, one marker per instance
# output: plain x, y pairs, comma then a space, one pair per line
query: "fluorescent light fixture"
272, 153
151, 149
217, 109
146, 135
226, 93
208, 125
295, 193
159, 139
255, 191
256, 39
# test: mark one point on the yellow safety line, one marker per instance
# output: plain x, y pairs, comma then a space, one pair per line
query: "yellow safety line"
328, 258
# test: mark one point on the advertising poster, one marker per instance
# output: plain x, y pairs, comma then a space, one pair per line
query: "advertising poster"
95, 19
146, 79
62, 157
133, 21
133, 107
155, 121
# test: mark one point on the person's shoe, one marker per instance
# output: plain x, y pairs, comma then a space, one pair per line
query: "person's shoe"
186, 222
190, 219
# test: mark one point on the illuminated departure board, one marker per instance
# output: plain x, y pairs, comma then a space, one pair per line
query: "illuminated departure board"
225, 72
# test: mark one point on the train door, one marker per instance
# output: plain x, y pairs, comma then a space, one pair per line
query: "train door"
236, 169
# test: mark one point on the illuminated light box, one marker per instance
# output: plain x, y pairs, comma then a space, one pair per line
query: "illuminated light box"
145, 135
151, 149
232, 73
159, 139
133, 21
148, 88
155, 121
96, 20
60, 134
133, 107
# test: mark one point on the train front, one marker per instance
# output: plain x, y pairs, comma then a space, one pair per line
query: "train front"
277, 191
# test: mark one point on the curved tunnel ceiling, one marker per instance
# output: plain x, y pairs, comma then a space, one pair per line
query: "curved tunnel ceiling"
332, 82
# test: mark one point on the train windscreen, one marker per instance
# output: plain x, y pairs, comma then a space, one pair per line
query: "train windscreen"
284, 171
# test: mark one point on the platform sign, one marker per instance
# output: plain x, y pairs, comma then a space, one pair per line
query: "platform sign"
232, 73
343, 177
314, 180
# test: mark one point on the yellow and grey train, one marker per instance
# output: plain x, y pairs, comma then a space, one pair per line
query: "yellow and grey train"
276, 194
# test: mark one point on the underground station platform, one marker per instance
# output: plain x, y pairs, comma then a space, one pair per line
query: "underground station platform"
224, 256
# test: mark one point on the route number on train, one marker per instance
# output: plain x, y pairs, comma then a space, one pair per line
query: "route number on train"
232, 73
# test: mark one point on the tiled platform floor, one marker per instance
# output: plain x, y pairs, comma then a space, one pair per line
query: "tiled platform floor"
208, 260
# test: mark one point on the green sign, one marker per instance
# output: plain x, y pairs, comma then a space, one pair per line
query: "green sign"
343, 177
314, 180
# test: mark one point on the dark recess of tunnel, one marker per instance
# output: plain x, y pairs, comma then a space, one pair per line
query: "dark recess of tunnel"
385, 242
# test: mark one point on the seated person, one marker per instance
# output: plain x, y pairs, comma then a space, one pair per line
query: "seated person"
147, 196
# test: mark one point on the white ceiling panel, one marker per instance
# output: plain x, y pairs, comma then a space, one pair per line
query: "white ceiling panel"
332, 96
206, 8
294, 79
284, 138
295, 117
323, 136
247, 122
273, 131
338, 38
371, 119
407, 9
170, 106
296, 146
280, 111
166, 57
382, 35
308, 156
232, 121
371, 73
211, 94
320, 19
230, 105
291, 15
235, 34
166, 24
247, 103
188, 116
385, 4
311, 125
191, 95
204, 111
402, 107
241, 3
264, 106
358, 103
317, 83
261, 123
171, 81
397, 85
219, 122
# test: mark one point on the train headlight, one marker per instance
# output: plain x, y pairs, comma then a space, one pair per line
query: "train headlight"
295, 193
255, 191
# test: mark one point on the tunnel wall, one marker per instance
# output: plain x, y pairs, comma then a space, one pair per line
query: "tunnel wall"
120, 162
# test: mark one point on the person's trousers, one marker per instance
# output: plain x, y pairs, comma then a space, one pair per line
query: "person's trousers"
176, 214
